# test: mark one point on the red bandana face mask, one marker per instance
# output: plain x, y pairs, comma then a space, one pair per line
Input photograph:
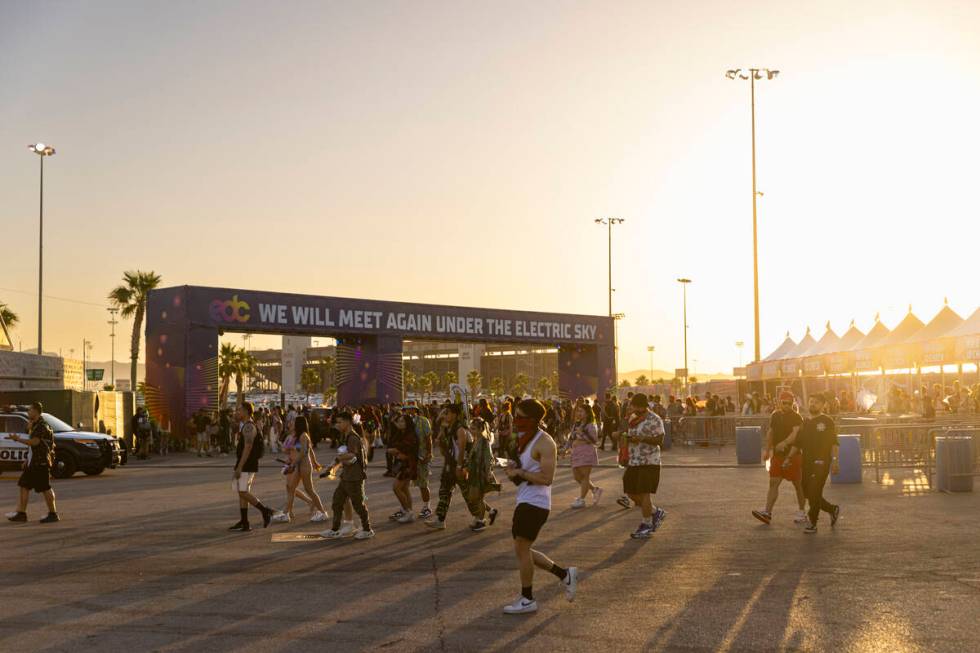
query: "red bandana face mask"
527, 428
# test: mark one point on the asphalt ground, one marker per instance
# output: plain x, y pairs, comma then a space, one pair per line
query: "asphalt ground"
142, 561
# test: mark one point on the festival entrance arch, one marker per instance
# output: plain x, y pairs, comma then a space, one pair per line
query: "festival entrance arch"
183, 324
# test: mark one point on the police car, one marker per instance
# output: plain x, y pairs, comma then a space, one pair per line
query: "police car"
83, 451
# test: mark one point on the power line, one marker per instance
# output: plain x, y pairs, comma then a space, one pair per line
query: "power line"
60, 299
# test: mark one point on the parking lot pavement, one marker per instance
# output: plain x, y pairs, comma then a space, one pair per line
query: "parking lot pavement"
143, 562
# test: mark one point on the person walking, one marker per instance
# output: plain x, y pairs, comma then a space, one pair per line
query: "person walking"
249, 450
817, 439
533, 471
455, 443
644, 435
480, 479
783, 424
351, 456
142, 430
504, 427
423, 431
37, 470
403, 451
582, 440
300, 469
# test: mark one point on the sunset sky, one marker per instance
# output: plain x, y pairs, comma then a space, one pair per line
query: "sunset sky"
458, 153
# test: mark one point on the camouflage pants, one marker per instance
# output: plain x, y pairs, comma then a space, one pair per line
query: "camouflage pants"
447, 483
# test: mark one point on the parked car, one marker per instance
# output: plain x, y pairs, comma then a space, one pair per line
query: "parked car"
83, 451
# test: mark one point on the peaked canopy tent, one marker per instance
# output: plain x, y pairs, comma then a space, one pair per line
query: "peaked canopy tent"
768, 368
967, 338
814, 361
841, 360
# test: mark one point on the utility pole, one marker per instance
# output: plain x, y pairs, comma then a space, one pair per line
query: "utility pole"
687, 373
609, 222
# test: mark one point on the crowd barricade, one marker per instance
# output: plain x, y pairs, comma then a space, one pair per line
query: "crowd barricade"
902, 446
705, 432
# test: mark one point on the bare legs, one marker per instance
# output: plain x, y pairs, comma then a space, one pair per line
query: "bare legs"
583, 476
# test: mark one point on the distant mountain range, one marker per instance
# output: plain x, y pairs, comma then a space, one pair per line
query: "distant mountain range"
667, 376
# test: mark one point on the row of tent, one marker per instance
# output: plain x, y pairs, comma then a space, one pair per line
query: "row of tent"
946, 339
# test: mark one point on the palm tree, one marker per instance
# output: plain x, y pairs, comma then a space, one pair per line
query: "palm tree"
227, 362
329, 392
475, 381
519, 386
8, 316
450, 378
409, 380
309, 378
642, 380
544, 386
131, 298
425, 387
497, 386
432, 381
247, 365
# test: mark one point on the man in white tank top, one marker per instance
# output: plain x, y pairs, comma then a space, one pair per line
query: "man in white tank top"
533, 471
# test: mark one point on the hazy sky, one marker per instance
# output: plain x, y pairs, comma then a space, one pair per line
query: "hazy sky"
458, 153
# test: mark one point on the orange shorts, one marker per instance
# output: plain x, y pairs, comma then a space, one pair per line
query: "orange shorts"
793, 472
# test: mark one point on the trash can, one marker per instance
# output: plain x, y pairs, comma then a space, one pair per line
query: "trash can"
748, 445
848, 459
954, 463
668, 429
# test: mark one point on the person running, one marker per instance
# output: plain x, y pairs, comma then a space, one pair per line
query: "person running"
423, 429
37, 470
817, 439
249, 450
455, 443
403, 451
644, 435
302, 463
351, 455
784, 423
582, 441
533, 471
479, 473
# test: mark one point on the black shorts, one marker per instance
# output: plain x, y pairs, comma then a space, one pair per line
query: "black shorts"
35, 478
528, 521
644, 479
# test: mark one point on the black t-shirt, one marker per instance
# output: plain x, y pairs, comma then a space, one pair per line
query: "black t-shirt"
41, 451
354, 471
782, 424
817, 437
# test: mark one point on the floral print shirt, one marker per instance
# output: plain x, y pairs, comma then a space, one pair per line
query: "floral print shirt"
642, 453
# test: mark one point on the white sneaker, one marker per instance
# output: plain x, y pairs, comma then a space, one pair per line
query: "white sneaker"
331, 535
801, 518
280, 518
347, 529
578, 503
318, 517
570, 583
521, 606
407, 518
364, 535
596, 495
11, 515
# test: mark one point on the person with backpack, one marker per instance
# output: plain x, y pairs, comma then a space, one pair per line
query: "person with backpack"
480, 479
37, 470
250, 448
455, 443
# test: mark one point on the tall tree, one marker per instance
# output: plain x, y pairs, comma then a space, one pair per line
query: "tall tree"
497, 386
450, 378
309, 378
409, 380
247, 365
433, 380
544, 387
9, 317
519, 386
642, 380
425, 386
475, 381
227, 364
130, 298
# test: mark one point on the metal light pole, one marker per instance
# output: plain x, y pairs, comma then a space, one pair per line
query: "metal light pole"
609, 222
650, 350
738, 345
86, 345
112, 336
754, 74
42, 151
684, 283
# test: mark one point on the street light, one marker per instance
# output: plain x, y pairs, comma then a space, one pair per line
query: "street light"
738, 345
610, 222
754, 74
113, 322
42, 151
650, 350
684, 283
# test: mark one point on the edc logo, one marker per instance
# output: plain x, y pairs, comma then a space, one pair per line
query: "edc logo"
232, 310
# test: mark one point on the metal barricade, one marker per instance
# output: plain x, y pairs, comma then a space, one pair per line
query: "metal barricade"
904, 446
706, 431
